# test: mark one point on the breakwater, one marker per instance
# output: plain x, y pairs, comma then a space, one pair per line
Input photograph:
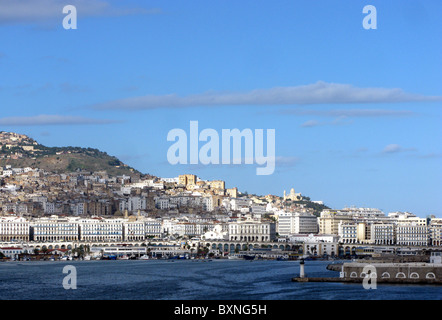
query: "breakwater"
394, 273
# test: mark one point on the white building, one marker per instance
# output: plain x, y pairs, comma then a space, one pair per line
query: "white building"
435, 229
153, 227
348, 232
296, 222
383, 233
54, 229
237, 203
14, 228
98, 229
412, 231
317, 244
134, 230
11, 252
217, 233
162, 203
252, 231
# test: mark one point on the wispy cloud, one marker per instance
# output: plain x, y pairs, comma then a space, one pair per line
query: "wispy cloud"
286, 161
396, 148
317, 93
339, 121
43, 120
311, 123
47, 11
350, 113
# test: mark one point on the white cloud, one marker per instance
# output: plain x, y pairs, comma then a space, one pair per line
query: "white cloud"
317, 93
396, 148
42, 120
392, 148
44, 11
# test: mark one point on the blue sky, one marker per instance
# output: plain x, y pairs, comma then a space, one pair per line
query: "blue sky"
357, 112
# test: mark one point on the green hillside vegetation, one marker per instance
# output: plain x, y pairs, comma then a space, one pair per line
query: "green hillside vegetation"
67, 159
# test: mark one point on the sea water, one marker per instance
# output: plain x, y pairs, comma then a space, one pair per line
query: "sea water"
190, 280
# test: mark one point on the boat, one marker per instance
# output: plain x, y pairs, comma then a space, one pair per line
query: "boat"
109, 257
144, 257
87, 258
283, 258
123, 257
249, 257
235, 257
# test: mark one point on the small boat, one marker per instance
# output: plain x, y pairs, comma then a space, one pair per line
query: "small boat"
282, 258
144, 257
249, 257
123, 257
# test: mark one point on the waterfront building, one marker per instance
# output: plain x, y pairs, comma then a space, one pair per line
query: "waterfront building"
383, 233
217, 233
348, 232
329, 221
14, 229
134, 230
435, 229
153, 227
55, 229
317, 244
99, 229
412, 231
249, 230
11, 252
296, 222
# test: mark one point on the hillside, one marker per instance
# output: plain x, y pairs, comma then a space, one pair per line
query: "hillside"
21, 151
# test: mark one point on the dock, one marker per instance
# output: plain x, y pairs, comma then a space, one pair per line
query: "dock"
360, 280
391, 273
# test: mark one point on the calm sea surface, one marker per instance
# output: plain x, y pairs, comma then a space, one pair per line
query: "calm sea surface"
189, 280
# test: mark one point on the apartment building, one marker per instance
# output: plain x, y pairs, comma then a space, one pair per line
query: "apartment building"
435, 230
383, 233
99, 229
14, 229
54, 229
329, 221
255, 231
412, 231
296, 223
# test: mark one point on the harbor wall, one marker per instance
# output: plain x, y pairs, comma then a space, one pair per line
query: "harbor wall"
393, 272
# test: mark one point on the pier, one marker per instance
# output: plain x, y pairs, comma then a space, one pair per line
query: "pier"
392, 273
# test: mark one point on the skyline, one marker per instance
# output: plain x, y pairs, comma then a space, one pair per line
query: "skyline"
356, 112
